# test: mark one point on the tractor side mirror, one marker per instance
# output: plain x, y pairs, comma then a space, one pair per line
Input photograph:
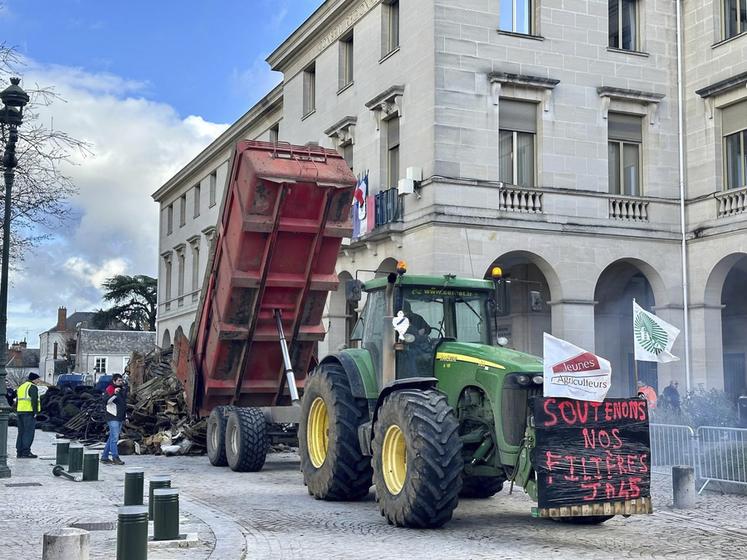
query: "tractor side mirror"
502, 298
353, 291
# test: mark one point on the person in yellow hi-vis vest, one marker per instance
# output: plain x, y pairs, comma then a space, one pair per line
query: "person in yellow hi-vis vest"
28, 405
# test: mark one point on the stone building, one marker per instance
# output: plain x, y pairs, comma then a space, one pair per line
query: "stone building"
57, 344
543, 136
108, 351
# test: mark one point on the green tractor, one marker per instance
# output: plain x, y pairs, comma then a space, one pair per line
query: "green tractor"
427, 409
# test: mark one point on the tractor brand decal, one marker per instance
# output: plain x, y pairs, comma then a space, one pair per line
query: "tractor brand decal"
448, 357
444, 292
591, 452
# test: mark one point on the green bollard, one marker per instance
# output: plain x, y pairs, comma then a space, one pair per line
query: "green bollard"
165, 514
132, 533
63, 449
75, 458
158, 481
133, 487
91, 466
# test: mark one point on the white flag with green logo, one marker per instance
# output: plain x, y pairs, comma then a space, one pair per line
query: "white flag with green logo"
652, 337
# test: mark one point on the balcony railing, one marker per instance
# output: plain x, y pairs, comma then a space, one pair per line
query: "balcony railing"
518, 199
389, 207
633, 209
732, 202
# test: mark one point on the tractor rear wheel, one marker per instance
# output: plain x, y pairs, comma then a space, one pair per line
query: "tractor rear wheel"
216, 435
331, 460
417, 459
481, 486
246, 439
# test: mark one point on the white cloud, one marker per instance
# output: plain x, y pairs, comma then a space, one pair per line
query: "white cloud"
138, 144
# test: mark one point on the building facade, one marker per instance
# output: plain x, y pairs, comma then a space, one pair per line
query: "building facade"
543, 136
57, 344
103, 352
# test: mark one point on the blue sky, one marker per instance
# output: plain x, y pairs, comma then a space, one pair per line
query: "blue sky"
148, 84
202, 58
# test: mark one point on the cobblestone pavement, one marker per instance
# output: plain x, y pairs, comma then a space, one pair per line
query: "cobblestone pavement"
270, 515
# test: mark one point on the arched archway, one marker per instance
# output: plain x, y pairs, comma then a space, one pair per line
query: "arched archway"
531, 280
166, 341
386, 266
617, 286
725, 288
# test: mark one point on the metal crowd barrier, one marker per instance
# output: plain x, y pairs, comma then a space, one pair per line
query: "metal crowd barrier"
717, 454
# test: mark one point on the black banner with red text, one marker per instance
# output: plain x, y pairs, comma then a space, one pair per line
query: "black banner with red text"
591, 452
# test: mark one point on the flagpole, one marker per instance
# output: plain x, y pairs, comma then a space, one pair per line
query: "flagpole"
635, 362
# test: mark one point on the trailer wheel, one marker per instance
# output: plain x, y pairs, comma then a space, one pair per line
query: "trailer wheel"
246, 439
481, 487
216, 435
331, 460
417, 459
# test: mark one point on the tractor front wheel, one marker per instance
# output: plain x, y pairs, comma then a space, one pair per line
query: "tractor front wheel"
417, 459
331, 460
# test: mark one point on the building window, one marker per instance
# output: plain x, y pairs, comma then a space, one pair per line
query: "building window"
197, 201
99, 366
275, 133
734, 129
180, 279
734, 17
169, 219
392, 152
167, 275
622, 24
213, 186
390, 26
182, 210
346, 61
309, 90
517, 123
195, 270
624, 154
516, 16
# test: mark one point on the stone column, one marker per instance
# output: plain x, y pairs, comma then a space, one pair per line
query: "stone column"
573, 320
707, 352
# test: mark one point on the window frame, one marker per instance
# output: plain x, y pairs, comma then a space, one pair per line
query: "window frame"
742, 156
96, 368
195, 270
514, 145
346, 69
390, 27
309, 90
724, 18
635, 47
621, 143
197, 196
213, 186
531, 9
183, 210
391, 152
170, 219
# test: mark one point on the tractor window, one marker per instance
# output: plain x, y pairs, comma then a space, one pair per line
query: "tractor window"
372, 320
472, 319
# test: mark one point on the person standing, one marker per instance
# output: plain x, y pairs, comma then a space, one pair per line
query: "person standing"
28, 406
116, 412
647, 392
671, 396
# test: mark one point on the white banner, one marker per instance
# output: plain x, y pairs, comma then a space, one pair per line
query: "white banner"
573, 372
652, 337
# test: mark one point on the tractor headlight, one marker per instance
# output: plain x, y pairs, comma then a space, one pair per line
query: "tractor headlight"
523, 379
538, 379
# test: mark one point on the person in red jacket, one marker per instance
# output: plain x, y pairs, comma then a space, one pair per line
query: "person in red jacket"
647, 392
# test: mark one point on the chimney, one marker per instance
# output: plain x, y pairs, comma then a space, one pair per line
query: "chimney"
61, 318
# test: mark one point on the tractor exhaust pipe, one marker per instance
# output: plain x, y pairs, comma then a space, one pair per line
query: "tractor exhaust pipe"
289, 375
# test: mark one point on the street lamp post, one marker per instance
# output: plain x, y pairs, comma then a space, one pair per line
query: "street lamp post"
11, 115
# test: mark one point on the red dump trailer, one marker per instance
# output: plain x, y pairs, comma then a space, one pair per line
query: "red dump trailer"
284, 214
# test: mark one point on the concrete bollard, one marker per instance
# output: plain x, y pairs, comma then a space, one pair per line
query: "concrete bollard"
132, 533
165, 514
66, 543
63, 448
133, 486
158, 481
683, 487
75, 458
91, 466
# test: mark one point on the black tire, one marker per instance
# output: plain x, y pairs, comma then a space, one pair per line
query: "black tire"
480, 487
585, 520
345, 473
433, 458
216, 435
246, 440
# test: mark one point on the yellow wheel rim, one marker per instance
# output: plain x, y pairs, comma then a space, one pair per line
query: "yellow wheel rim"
317, 432
394, 459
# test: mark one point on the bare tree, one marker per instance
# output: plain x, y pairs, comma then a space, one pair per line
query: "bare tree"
41, 189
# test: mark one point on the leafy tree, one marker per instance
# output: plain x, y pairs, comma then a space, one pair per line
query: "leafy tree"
135, 300
41, 190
